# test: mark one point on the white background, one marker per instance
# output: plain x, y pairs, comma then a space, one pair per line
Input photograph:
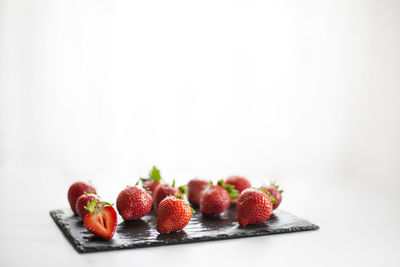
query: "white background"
306, 93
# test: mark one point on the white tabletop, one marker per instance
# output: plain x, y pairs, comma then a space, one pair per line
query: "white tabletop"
359, 227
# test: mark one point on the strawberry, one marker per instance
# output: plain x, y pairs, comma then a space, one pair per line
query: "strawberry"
151, 186
133, 203
82, 202
215, 199
101, 219
153, 181
173, 214
240, 183
253, 206
164, 190
273, 189
195, 187
76, 190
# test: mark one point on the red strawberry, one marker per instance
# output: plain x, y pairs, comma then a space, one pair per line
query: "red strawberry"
151, 186
253, 206
273, 189
173, 214
215, 199
133, 203
153, 181
164, 190
76, 190
101, 219
240, 183
195, 186
82, 202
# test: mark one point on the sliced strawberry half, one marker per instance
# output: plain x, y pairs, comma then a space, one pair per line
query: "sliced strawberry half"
101, 220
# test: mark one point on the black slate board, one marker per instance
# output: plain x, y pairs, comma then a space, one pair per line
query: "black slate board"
143, 233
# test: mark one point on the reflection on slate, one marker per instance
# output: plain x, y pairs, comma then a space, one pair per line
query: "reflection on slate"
143, 233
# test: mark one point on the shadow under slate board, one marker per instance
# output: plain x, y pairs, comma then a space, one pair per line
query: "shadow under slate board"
143, 233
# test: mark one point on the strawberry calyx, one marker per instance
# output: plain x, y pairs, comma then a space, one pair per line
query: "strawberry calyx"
154, 175
273, 184
183, 189
233, 193
181, 197
178, 196
273, 200
95, 206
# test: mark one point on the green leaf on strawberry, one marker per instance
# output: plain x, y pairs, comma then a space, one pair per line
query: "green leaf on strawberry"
183, 189
154, 175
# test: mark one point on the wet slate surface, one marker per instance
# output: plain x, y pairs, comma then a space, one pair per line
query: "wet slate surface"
143, 233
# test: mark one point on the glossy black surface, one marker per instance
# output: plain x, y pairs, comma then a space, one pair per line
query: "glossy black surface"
143, 233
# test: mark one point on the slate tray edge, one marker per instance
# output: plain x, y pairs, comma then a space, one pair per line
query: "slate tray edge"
65, 230
82, 249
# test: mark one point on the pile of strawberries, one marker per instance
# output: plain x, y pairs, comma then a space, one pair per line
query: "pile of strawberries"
253, 205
